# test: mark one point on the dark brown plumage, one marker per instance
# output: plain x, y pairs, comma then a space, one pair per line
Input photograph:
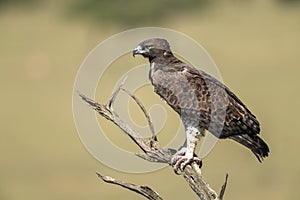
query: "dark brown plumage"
202, 101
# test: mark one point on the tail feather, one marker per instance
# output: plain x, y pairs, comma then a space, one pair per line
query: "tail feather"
254, 143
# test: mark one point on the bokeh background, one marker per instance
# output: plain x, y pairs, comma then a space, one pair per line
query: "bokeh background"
255, 44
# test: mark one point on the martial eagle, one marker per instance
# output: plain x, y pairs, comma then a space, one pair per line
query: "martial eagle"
202, 102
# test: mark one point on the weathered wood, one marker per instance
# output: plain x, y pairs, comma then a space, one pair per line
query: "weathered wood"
143, 190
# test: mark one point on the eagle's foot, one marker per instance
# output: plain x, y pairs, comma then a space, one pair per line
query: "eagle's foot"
181, 159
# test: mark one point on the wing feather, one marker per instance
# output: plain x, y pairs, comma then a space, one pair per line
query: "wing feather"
201, 99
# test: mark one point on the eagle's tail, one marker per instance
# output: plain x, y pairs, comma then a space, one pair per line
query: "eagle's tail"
254, 143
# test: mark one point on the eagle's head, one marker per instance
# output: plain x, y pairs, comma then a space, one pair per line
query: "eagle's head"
152, 48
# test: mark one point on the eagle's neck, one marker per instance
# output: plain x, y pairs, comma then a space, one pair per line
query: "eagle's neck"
158, 55
161, 62
165, 62
165, 57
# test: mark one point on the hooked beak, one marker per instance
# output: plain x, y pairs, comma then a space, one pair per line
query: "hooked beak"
138, 50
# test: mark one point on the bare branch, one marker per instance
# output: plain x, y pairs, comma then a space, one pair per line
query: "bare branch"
144, 111
115, 93
223, 187
143, 190
198, 183
152, 150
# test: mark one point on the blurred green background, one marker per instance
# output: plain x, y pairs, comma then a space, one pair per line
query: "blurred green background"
254, 43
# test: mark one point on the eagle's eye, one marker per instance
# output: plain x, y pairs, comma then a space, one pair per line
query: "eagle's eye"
149, 47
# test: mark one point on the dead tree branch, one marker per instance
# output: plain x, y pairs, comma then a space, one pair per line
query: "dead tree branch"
151, 127
152, 152
143, 190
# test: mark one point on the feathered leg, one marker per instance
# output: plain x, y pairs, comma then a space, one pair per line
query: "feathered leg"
186, 154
